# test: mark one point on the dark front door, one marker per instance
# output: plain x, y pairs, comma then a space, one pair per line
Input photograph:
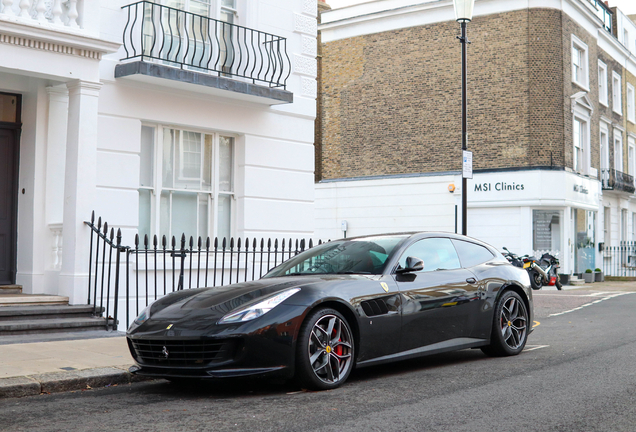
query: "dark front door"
438, 301
9, 133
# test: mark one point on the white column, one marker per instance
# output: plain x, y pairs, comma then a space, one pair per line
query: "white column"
56, 153
79, 188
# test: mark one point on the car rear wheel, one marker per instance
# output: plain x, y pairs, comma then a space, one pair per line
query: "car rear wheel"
510, 326
325, 350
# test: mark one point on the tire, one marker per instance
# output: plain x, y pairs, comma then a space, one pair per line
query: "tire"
325, 350
509, 328
536, 280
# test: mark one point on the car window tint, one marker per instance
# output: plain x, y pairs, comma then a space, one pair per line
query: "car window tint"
437, 254
365, 255
471, 254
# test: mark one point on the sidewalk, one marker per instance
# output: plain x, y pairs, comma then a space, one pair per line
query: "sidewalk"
28, 369
30, 366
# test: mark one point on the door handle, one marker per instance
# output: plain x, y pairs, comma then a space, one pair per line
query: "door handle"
471, 280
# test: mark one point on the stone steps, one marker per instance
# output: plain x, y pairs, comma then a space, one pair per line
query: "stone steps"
29, 314
7, 300
51, 325
10, 289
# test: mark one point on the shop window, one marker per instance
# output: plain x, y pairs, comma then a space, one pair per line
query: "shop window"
584, 223
186, 183
546, 230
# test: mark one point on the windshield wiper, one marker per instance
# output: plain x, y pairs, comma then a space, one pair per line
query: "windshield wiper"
352, 272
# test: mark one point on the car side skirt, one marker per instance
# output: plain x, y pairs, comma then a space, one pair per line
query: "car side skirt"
440, 347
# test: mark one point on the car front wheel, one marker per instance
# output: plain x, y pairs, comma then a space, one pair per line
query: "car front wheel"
325, 350
510, 326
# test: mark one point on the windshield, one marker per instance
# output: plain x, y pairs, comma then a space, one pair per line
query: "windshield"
366, 255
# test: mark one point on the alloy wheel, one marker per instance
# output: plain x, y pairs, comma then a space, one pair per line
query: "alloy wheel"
330, 348
514, 320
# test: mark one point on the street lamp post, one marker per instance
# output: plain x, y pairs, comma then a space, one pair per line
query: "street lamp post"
464, 14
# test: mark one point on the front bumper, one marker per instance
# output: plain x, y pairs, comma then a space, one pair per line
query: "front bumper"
265, 346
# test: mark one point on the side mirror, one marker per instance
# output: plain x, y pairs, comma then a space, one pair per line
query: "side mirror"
413, 264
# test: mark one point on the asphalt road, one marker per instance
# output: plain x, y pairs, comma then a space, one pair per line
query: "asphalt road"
578, 373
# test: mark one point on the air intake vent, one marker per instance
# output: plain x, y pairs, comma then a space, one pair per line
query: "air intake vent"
375, 307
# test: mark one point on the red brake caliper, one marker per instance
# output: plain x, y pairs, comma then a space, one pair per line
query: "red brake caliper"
339, 347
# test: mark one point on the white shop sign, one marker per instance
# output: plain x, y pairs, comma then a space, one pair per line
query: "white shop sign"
558, 188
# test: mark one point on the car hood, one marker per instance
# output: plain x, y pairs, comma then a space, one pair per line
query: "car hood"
211, 304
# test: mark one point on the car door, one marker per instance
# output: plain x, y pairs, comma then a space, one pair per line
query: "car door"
436, 303
476, 258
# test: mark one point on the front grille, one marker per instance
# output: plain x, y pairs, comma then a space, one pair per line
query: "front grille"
181, 353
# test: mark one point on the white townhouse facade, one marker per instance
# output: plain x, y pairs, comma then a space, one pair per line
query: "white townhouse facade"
558, 179
165, 117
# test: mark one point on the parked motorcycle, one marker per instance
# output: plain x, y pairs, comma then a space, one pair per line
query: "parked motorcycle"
542, 272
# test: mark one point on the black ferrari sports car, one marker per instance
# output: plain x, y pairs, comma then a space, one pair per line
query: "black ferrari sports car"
343, 304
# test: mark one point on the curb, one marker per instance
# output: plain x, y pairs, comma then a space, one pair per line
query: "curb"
55, 382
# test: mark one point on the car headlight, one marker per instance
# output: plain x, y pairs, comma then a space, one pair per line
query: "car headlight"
143, 316
259, 309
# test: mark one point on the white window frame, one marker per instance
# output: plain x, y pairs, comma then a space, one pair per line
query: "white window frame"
581, 166
631, 100
604, 146
631, 156
617, 96
213, 195
618, 150
603, 96
581, 72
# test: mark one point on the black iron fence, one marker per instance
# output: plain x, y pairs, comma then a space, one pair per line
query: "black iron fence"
128, 278
620, 260
201, 44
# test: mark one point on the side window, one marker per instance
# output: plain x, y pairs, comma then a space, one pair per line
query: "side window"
471, 254
437, 254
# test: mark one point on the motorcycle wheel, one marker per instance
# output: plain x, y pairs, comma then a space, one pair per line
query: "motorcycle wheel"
536, 280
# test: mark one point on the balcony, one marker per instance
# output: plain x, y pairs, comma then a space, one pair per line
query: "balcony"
612, 179
166, 43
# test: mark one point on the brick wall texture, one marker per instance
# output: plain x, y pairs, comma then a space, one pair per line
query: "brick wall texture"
391, 102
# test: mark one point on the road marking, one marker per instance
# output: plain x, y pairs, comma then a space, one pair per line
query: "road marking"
536, 324
534, 347
589, 304
595, 294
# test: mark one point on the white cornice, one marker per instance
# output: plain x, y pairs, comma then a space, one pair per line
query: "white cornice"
387, 15
47, 33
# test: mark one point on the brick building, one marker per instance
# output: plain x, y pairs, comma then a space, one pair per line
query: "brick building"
550, 123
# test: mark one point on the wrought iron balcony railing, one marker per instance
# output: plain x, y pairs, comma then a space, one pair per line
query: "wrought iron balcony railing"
612, 179
194, 42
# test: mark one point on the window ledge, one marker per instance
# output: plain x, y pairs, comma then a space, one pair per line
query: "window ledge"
581, 86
